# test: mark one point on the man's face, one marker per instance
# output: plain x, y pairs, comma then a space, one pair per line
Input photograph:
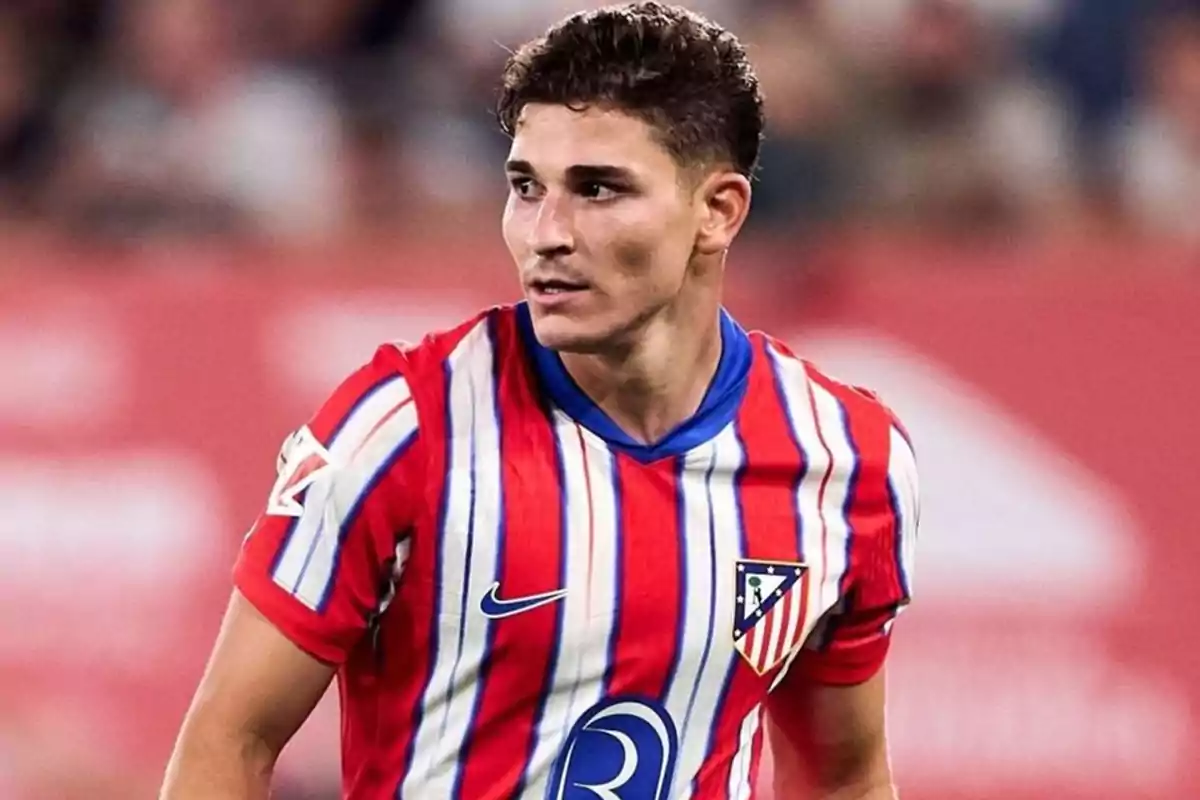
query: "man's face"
599, 221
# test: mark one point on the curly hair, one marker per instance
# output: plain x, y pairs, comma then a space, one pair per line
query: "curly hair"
685, 76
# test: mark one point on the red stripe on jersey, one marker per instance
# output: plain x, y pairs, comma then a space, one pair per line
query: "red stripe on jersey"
770, 532
530, 563
770, 519
854, 644
374, 761
334, 413
868, 506
650, 577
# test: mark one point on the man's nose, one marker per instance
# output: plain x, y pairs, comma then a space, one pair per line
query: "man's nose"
553, 229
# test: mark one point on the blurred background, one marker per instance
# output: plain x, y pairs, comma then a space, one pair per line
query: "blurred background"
989, 210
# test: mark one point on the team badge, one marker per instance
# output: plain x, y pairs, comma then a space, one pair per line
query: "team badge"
769, 615
301, 461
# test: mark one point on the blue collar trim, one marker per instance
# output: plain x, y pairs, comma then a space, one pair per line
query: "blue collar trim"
717, 409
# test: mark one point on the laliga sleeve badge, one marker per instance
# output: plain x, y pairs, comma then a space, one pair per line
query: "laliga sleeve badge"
302, 460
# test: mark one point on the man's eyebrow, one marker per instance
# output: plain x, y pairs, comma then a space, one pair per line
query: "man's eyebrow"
599, 172
578, 172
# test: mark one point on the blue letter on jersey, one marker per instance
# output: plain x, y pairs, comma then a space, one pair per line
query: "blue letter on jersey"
620, 749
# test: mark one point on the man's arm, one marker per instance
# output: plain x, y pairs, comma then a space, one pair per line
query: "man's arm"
257, 690
308, 579
826, 718
829, 741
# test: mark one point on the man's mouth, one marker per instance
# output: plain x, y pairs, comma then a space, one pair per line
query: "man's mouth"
553, 286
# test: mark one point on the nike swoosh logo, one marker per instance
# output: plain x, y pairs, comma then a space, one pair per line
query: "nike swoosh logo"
495, 608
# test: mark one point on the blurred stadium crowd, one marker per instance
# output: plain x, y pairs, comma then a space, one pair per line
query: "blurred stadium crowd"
1043, 658
299, 121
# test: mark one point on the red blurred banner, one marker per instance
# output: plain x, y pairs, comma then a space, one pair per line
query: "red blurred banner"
1052, 650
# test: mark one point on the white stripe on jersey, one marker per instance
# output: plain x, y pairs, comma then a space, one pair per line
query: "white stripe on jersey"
467, 565
794, 384
831, 419
589, 547
361, 449
717, 545
403, 550
700, 576
905, 486
739, 776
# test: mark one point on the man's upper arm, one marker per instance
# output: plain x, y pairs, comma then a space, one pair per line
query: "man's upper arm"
826, 717
829, 740
258, 683
320, 558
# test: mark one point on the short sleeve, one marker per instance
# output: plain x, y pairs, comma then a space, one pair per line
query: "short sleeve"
320, 558
851, 642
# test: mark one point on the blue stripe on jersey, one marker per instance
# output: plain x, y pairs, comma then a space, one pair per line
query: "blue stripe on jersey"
898, 543
851, 496
781, 396
352, 518
619, 546
439, 557
559, 608
333, 434
681, 522
485, 667
743, 550
717, 409
712, 595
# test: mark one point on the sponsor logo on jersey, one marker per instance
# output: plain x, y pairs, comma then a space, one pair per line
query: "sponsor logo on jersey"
495, 608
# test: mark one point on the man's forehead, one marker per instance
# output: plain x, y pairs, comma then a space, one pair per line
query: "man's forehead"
555, 137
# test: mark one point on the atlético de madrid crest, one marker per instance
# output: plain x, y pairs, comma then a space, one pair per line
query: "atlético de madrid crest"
769, 616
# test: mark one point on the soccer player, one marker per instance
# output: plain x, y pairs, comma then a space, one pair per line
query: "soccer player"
600, 544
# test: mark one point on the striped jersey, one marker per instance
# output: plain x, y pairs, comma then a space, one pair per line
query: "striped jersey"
523, 602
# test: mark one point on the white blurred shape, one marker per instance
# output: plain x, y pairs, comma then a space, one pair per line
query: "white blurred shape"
61, 369
138, 520
1032, 708
1009, 523
316, 345
271, 147
96, 553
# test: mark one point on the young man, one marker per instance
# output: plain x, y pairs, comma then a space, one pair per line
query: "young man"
596, 544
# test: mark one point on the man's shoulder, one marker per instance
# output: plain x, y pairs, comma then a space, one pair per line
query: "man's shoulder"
862, 407
416, 359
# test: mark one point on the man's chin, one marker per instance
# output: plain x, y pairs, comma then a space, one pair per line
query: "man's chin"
567, 336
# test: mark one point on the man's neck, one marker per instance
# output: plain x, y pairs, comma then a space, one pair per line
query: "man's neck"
656, 384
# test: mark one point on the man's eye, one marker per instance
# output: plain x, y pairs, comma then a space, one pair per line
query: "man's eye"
594, 190
522, 186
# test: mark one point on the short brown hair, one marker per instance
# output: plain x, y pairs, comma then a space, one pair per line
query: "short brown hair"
687, 77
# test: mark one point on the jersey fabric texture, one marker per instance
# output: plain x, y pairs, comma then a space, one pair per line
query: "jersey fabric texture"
523, 602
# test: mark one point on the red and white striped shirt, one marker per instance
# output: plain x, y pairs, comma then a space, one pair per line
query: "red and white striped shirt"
522, 602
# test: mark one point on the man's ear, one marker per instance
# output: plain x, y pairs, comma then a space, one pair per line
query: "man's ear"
723, 199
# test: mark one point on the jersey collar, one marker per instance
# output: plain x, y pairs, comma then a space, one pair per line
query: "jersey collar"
717, 409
